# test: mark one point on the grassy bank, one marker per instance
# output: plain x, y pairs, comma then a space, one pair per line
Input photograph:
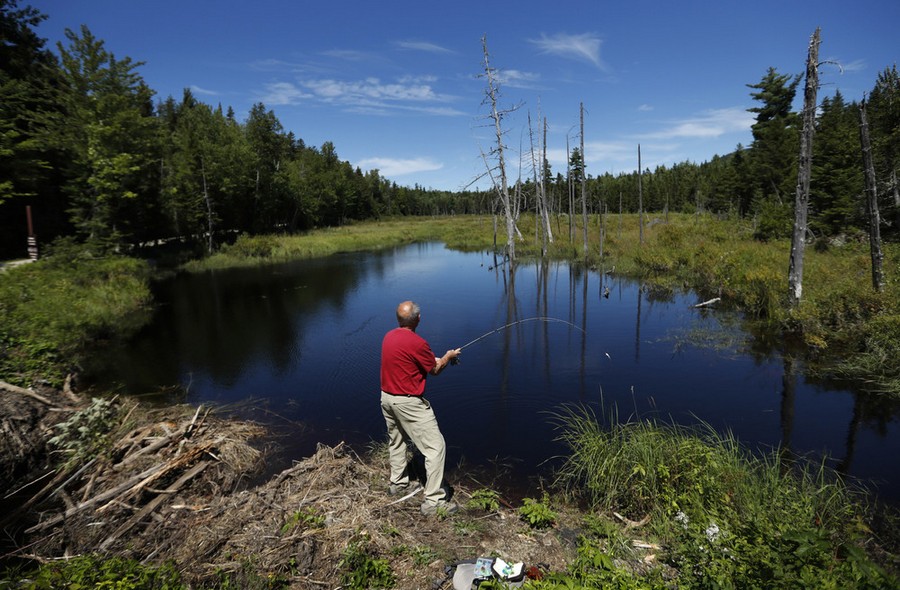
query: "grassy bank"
56, 310
727, 518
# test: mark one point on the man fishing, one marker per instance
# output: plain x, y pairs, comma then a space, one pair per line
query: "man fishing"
406, 361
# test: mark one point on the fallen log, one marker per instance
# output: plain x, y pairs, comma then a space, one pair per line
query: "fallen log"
107, 495
153, 504
710, 302
27, 392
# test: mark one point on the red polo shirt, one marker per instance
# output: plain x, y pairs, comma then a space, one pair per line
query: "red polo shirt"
406, 359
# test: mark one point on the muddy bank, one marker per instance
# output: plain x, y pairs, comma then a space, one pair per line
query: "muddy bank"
177, 485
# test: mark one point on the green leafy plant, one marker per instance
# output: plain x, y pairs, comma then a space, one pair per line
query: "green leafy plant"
485, 499
421, 554
84, 432
728, 518
360, 569
466, 528
537, 513
112, 573
307, 517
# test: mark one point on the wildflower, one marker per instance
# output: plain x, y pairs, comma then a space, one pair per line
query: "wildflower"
712, 533
682, 518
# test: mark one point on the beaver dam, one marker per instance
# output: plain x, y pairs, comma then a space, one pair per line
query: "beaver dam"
177, 485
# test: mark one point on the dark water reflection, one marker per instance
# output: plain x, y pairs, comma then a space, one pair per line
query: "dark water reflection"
302, 341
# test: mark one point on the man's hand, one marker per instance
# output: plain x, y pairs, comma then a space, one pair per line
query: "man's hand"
449, 358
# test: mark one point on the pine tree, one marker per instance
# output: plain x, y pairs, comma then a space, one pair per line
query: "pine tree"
775, 134
837, 181
109, 135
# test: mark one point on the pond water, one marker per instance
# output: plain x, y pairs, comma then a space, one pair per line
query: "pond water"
298, 345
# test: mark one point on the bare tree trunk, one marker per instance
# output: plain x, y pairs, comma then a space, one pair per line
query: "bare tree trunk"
548, 234
871, 200
640, 199
895, 188
571, 196
209, 209
493, 91
584, 216
538, 196
801, 202
602, 232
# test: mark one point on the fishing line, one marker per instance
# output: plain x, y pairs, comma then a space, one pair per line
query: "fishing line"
511, 324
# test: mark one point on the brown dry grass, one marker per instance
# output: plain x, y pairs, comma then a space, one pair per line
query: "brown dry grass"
295, 527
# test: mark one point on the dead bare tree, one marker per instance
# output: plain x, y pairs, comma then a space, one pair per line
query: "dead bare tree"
584, 216
500, 183
571, 192
801, 201
640, 199
548, 233
871, 200
541, 216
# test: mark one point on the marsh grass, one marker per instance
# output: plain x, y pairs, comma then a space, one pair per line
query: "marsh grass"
464, 233
729, 517
53, 311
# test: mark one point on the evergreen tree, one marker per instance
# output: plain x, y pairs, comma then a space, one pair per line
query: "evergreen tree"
29, 103
206, 183
269, 147
883, 108
775, 134
837, 181
109, 135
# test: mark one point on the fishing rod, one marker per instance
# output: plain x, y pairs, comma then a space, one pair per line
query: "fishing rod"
511, 324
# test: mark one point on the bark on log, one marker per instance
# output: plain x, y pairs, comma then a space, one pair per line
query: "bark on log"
153, 504
27, 392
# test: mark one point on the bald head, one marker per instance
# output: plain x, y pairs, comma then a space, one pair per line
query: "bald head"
408, 315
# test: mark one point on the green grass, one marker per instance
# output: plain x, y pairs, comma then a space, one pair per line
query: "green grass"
727, 518
54, 310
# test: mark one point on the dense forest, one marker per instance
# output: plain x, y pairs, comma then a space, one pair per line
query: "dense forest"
86, 147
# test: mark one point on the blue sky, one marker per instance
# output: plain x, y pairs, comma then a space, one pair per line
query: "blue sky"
395, 85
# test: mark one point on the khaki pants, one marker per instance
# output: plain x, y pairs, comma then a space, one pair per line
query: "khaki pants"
411, 417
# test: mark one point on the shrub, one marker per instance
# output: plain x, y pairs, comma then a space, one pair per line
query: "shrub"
360, 569
728, 518
114, 573
537, 513
485, 499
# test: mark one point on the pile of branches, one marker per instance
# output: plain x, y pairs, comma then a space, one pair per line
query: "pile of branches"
133, 486
185, 490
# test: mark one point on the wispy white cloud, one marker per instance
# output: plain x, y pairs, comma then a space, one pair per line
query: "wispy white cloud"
370, 96
585, 47
712, 123
645, 108
283, 93
347, 54
602, 152
423, 46
517, 78
197, 90
399, 166
372, 89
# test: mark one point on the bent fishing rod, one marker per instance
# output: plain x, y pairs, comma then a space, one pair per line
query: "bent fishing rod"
511, 324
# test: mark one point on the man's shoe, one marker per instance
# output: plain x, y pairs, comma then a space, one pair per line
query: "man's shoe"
396, 489
442, 508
